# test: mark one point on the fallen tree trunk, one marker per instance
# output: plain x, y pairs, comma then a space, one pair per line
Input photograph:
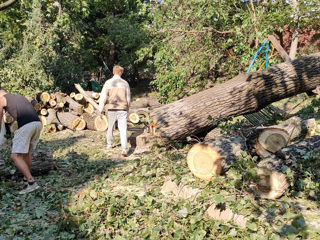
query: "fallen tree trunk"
245, 93
42, 162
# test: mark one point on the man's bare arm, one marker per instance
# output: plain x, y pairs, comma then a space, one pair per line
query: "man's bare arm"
3, 103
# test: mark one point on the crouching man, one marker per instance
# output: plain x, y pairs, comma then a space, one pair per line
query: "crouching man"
26, 137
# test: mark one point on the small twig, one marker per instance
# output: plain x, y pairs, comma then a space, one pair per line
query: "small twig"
287, 114
205, 30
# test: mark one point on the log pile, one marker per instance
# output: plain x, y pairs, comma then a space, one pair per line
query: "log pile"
78, 111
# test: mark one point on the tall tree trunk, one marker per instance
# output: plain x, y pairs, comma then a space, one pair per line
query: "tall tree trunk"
243, 94
295, 35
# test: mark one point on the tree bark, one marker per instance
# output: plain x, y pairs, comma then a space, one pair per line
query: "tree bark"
295, 34
87, 98
74, 106
6, 4
68, 120
95, 122
243, 94
42, 162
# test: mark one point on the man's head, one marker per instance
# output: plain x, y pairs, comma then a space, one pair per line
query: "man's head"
117, 70
3, 92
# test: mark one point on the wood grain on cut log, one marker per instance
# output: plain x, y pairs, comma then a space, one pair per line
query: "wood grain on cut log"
206, 160
80, 99
134, 117
60, 105
245, 93
93, 95
89, 108
52, 103
72, 94
272, 182
45, 97
37, 106
69, 120
273, 138
96, 122
44, 112
74, 106
42, 162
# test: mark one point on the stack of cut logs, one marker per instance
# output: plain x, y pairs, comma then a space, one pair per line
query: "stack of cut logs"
77, 111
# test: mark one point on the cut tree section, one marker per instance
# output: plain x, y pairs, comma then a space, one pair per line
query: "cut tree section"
134, 117
204, 161
273, 139
96, 122
70, 120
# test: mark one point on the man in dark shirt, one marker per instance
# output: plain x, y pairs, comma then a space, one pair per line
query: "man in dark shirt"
25, 137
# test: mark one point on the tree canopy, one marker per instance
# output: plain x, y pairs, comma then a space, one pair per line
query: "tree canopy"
186, 45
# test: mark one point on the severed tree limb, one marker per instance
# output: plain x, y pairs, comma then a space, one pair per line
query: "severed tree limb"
6, 4
85, 95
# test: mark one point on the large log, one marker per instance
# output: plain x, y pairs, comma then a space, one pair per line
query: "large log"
206, 160
69, 120
96, 122
243, 94
42, 162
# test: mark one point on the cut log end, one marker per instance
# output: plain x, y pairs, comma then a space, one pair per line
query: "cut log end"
101, 123
45, 97
52, 103
80, 125
72, 94
271, 184
273, 139
89, 108
204, 161
44, 112
134, 118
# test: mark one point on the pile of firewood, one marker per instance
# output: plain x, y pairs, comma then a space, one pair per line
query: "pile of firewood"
77, 111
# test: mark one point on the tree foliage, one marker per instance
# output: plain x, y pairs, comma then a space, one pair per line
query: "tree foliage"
189, 45
197, 43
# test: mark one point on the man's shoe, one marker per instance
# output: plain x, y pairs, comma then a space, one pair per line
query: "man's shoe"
124, 153
29, 188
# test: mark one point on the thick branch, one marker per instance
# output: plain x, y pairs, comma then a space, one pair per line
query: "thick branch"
6, 4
